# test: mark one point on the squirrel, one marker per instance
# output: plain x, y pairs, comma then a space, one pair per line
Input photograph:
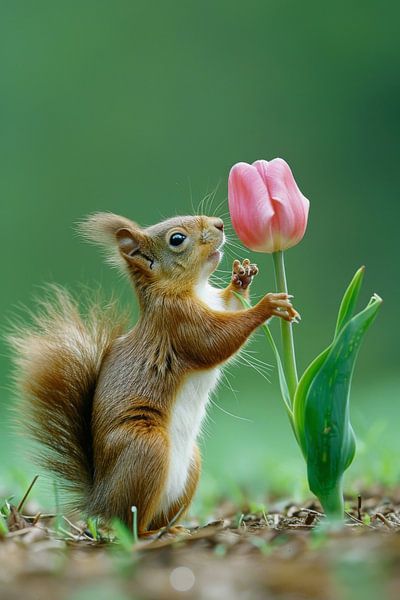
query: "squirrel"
119, 410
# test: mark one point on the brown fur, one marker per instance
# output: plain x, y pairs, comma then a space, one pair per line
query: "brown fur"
58, 361
108, 397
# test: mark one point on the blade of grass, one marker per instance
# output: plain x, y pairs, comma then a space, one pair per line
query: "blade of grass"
134, 524
123, 534
3, 527
92, 525
28, 491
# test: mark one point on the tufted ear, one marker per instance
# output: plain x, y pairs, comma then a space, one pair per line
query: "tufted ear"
101, 228
128, 241
123, 240
133, 247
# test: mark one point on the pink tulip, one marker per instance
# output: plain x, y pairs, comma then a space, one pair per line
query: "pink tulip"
268, 211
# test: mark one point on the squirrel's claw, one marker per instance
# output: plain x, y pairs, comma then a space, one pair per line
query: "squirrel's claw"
243, 273
282, 307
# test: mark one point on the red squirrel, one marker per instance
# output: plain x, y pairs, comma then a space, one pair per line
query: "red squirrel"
119, 411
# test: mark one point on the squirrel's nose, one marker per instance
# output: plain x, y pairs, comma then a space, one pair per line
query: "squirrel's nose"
219, 224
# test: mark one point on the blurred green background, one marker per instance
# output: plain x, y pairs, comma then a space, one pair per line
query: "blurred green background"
140, 108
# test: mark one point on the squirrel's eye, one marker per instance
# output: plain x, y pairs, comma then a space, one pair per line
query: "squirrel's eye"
177, 239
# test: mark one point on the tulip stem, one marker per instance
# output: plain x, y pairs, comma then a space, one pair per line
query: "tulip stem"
332, 503
289, 356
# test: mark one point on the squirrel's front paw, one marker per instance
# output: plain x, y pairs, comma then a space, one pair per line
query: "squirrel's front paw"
280, 306
243, 273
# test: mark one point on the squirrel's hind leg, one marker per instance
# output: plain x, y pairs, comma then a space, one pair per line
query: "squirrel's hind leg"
137, 472
184, 501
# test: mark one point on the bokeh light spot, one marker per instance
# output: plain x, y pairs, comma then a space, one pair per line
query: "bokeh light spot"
182, 579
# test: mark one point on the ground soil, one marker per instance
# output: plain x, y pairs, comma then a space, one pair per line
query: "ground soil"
286, 553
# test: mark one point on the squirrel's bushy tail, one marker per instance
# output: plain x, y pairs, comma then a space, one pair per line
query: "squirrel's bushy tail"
57, 361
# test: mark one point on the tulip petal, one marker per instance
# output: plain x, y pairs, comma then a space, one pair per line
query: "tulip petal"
250, 207
290, 205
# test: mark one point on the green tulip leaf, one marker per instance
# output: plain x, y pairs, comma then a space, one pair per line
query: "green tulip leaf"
301, 398
346, 310
349, 301
321, 405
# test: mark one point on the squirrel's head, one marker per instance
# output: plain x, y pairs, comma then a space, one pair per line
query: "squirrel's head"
180, 251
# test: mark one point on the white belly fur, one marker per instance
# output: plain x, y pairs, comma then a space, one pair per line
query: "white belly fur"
188, 413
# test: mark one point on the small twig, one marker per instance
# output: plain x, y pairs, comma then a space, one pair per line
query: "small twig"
41, 516
313, 512
72, 525
384, 520
359, 521
36, 518
359, 506
80, 531
70, 535
28, 491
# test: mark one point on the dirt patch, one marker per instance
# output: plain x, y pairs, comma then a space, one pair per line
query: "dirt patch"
285, 553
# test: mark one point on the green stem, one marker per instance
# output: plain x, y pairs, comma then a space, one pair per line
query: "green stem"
289, 357
333, 503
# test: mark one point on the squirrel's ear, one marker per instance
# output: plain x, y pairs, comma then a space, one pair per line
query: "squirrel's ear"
101, 228
116, 234
133, 247
128, 242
